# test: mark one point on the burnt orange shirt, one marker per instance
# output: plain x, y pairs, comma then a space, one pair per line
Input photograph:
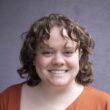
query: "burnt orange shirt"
89, 99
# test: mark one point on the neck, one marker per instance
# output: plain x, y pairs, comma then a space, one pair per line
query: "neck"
55, 92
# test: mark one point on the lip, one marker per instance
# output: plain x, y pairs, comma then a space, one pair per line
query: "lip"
57, 71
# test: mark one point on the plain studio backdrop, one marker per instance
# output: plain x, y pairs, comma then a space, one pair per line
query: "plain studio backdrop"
16, 16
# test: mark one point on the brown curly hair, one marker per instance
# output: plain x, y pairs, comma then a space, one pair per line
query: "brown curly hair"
39, 32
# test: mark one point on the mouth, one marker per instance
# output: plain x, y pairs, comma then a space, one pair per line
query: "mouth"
57, 71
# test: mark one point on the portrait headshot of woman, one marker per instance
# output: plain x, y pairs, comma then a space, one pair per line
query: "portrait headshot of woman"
54, 55
56, 67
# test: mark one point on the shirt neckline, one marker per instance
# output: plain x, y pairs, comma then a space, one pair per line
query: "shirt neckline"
78, 98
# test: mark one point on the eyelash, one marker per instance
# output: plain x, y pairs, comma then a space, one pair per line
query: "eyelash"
46, 52
49, 53
68, 53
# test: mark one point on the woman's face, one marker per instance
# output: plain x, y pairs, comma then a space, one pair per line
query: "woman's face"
57, 62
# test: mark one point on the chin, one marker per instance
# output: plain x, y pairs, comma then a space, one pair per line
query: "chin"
60, 83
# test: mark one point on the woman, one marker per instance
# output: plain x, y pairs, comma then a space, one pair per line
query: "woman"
55, 63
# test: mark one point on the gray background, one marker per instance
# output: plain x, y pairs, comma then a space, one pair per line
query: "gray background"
16, 16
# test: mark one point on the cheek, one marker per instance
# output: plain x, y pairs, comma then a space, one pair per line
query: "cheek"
74, 62
41, 62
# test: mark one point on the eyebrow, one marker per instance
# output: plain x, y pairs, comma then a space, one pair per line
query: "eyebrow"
50, 48
45, 47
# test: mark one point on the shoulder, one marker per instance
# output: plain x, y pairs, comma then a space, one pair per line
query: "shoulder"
96, 92
10, 96
97, 95
11, 89
11, 93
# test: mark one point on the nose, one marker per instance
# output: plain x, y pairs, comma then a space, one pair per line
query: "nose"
58, 60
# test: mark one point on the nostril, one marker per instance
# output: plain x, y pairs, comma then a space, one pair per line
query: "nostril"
58, 60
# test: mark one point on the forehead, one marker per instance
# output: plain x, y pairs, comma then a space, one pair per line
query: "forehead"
58, 37
66, 44
58, 44
58, 33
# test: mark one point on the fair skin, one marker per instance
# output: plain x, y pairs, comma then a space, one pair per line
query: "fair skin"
57, 65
